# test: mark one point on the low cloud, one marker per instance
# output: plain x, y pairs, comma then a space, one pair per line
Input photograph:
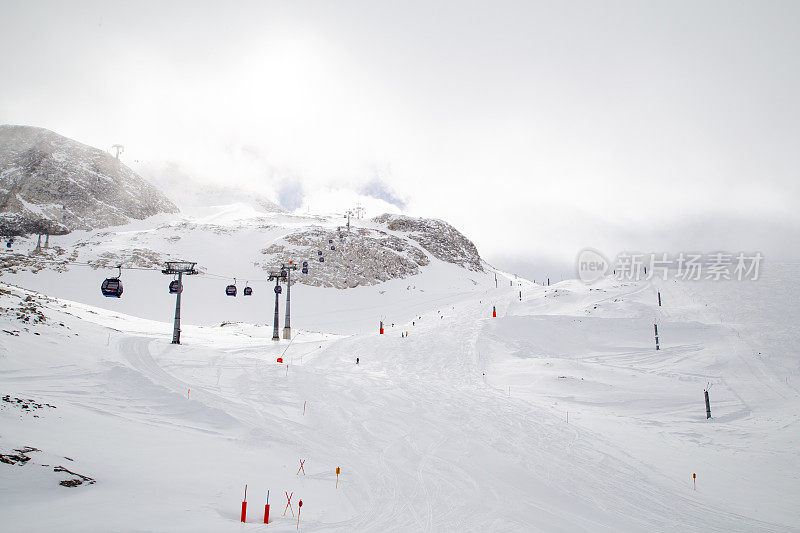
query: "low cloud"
377, 188
290, 194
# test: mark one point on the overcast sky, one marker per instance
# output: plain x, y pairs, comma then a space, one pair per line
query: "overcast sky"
536, 128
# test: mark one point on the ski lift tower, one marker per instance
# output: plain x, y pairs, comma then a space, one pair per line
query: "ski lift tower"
287, 328
180, 268
278, 277
349, 213
119, 148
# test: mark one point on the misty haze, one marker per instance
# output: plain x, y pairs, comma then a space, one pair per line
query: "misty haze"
421, 266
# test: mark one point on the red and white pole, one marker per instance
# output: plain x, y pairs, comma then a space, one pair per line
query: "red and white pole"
244, 505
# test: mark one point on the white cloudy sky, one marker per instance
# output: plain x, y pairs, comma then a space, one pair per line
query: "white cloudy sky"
537, 128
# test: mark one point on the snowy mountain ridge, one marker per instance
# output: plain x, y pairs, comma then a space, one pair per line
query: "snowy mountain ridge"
52, 184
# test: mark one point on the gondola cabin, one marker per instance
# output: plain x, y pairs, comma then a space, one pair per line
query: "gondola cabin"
321, 259
111, 288
174, 286
333, 247
319, 252
230, 290
278, 289
248, 291
330, 241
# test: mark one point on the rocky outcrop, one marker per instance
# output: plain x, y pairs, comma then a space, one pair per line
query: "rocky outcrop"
47, 180
442, 240
361, 257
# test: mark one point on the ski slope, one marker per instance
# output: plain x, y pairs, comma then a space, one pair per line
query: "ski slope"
461, 426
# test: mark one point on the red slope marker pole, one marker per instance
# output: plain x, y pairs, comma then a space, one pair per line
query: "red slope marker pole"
338, 470
266, 510
694, 481
304, 407
244, 505
299, 508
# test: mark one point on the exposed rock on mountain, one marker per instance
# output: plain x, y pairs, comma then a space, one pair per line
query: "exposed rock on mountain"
361, 257
442, 240
50, 182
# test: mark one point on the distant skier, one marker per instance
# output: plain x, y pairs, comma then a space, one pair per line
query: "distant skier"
356, 360
412, 322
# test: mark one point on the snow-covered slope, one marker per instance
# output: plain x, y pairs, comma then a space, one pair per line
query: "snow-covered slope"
459, 426
49, 183
239, 244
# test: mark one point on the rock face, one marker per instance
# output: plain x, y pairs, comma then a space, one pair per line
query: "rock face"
361, 257
368, 256
52, 182
443, 241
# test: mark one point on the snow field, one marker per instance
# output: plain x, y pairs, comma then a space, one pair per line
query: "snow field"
425, 442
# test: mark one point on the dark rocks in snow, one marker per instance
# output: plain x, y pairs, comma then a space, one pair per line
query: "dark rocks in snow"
77, 480
19, 458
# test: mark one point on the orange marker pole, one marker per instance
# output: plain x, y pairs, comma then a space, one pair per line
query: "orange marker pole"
187, 393
338, 470
304, 407
694, 481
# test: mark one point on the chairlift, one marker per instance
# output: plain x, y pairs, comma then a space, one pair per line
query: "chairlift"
230, 290
319, 252
278, 289
330, 241
321, 259
248, 291
333, 247
174, 286
112, 287
284, 274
